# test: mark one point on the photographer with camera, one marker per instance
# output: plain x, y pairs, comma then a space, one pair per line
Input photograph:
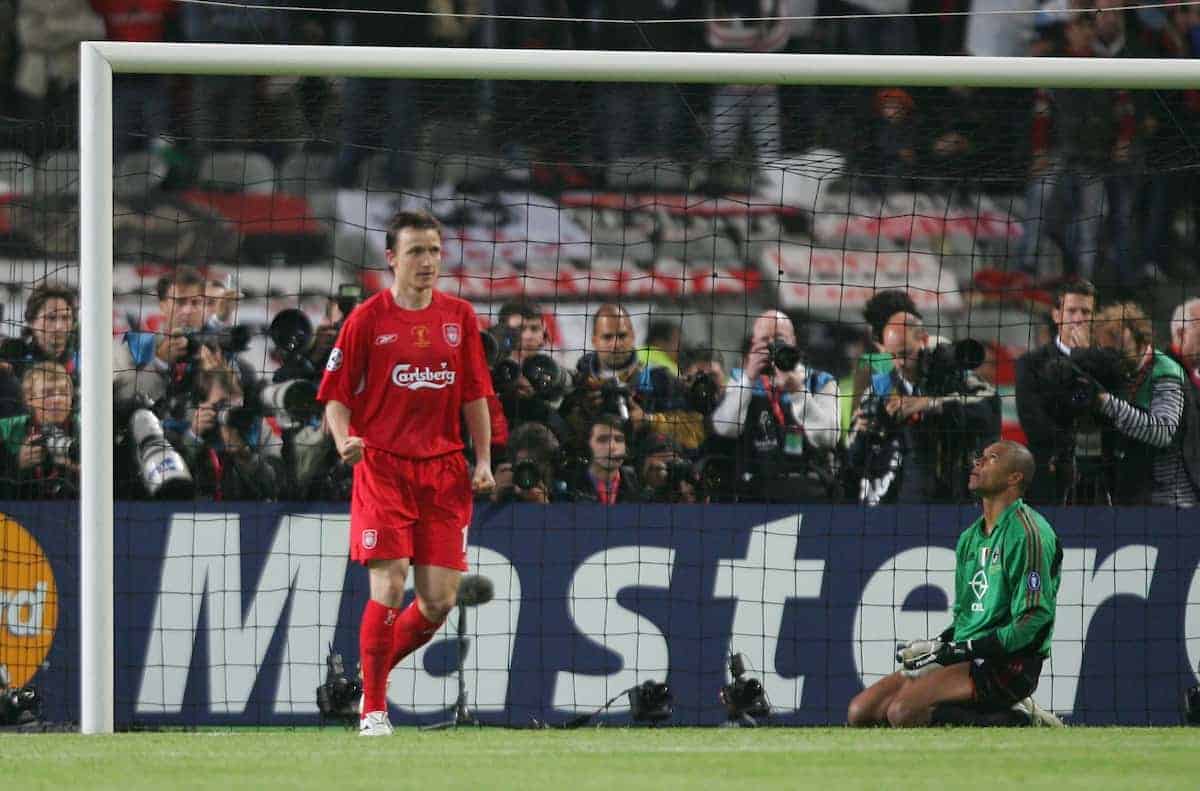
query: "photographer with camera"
221, 442
918, 426
293, 415
1056, 437
528, 476
220, 304
605, 477
529, 383
664, 343
778, 419
1156, 451
875, 359
522, 330
667, 476
49, 335
160, 365
605, 376
41, 448
609, 381
337, 308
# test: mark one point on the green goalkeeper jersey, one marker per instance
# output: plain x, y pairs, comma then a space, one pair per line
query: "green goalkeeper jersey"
1006, 583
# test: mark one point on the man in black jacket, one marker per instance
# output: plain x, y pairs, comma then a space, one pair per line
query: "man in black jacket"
1051, 439
606, 478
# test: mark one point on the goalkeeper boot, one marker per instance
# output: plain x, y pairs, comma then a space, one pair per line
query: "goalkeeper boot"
374, 723
1039, 717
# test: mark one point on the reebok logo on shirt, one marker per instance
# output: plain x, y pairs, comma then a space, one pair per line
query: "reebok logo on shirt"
405, 375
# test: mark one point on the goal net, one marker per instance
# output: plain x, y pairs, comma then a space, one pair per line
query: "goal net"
694, 193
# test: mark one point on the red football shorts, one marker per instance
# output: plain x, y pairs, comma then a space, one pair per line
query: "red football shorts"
411, 508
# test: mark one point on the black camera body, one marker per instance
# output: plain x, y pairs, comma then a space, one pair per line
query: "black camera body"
548, 379
651, 702
338, 697
1069, 383
744, 698
293, 336
19, 706
527, 474
614, 398
942, 370
498, 343
703, 393
783, 357
229, 341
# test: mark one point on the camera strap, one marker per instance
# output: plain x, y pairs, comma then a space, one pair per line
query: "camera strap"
607, 492
774, 398
218, 468
1140, 379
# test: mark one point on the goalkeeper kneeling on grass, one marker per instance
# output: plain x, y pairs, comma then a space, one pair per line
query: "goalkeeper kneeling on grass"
984, 667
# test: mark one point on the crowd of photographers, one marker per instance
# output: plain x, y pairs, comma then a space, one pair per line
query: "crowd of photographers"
1110, 418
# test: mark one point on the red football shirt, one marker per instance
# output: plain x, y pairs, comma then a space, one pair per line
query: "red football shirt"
405, 374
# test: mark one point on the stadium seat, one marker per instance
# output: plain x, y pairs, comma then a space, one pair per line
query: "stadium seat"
428, 172
16, 173
641, 175
236, 171
138, 173
373, 172
58, 173
310, 174
305, 171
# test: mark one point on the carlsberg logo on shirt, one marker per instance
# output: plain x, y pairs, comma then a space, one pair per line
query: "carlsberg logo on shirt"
405, 375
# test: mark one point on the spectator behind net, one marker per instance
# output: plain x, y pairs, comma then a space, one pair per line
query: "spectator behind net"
41, 449
49, 335
1156, 420
917, 427
220, 444
604, 477
529, 474
778, 419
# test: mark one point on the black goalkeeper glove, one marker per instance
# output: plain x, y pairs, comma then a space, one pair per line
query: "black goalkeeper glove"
938, 652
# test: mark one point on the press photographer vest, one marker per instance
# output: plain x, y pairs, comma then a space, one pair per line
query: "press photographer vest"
1135, 473
770, 449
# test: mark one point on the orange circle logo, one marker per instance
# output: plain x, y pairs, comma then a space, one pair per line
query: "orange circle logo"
28, 603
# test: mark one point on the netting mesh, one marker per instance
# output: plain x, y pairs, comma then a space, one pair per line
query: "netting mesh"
249, 221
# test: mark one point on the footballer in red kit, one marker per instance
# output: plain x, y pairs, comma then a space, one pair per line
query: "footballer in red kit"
406, 372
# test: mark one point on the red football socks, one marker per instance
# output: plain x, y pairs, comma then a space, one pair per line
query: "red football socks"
375, 651
411, 631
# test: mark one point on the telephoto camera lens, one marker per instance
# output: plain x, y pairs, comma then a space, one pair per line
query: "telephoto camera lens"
162, 469
546, 377
291, 331
296, 398
526, 474
613, 401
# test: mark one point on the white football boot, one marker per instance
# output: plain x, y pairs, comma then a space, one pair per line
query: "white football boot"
374, 723
1039, 717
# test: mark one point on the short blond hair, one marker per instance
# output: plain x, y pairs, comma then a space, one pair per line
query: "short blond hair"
40, 375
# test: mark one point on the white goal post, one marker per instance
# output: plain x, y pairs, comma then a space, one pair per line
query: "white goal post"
100, 60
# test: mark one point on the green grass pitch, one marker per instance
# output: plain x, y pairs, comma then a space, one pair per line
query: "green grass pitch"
613, 759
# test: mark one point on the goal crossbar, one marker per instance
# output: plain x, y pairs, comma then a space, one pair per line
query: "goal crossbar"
100, 60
